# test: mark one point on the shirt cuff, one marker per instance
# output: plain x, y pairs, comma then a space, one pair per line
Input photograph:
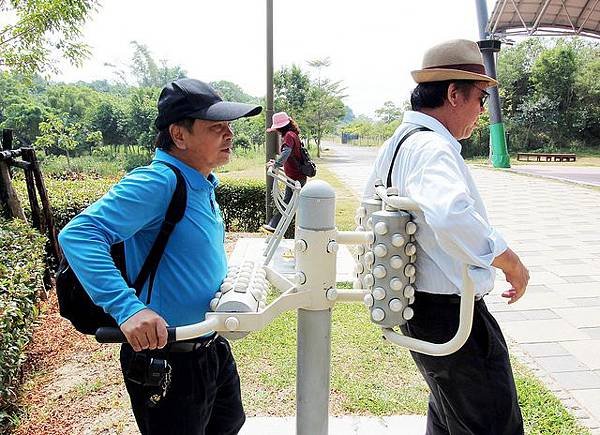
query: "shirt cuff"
497, 244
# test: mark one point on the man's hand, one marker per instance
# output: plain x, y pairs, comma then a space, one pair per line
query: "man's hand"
515, 272
145, 330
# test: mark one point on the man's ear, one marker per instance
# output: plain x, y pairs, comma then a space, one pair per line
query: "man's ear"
453, 94
176, 132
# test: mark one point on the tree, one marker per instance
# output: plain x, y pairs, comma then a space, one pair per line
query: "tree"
150, 74
55, 134
109, 117
230, 91
389, 112
142, 112
40, 29
291, 87
325, 107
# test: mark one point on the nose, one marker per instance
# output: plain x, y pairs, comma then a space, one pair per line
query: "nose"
229, 130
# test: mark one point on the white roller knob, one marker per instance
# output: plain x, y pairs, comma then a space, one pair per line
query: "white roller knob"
370, 237
300, 278
396, 305
368, 300
409, 291
359, 228
369, 258
359, 268
380, 250
410, 270
378, 314
241, 287
357, 284
232, 323
408, 313
361, 211
218, 295
410, 249
396, 262
379, 271
411, 228
396, 284
397, 240
331, 294
368, 280
381, 228
378, 293
225, 287
258, 295
332, 246
300, 245
370, 223
411, 300
213, 304
360, 249
412, 279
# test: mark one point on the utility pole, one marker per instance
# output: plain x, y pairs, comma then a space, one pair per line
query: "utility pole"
488, 47
271, 138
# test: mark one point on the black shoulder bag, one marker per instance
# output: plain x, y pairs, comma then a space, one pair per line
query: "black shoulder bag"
73, 301
406, 136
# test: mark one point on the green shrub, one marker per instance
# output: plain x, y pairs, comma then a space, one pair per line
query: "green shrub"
132, 161
242, 204
21, 272
241, 201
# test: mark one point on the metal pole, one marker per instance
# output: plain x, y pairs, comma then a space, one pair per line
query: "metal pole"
271, 138
316, 272
488, 47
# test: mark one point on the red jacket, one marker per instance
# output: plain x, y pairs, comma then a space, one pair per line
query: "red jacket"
292, 165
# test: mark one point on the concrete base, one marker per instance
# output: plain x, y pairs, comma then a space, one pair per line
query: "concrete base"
346, 425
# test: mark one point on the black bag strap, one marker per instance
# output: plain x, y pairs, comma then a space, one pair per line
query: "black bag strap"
406, 136
173, 215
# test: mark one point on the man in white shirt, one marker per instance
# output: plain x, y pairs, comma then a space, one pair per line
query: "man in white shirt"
472, 390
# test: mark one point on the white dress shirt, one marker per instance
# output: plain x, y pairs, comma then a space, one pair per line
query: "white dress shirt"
453, 227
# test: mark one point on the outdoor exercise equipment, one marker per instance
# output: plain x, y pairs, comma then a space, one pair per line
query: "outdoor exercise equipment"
287, 211
385, 281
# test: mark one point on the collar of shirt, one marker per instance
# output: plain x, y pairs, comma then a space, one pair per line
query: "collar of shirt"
421, 119
195, 178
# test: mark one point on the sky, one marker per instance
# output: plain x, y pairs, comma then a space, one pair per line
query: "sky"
372, 45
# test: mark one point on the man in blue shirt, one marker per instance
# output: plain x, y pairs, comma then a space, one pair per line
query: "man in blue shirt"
200, 392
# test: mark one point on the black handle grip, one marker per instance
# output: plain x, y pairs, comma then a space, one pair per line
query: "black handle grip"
115, 335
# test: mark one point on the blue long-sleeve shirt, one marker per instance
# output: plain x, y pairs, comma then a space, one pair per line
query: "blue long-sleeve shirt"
194, 262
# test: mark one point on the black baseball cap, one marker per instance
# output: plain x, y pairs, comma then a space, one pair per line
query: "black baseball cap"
190, 98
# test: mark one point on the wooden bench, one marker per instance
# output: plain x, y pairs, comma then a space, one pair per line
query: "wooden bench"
546, 157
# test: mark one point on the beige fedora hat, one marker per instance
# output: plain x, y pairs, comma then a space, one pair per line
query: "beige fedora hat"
459, 59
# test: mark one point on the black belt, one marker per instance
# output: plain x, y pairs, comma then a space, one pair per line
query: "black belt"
191, 345
436, 298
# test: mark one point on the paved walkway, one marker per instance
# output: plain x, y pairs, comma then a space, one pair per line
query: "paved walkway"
588, 175
555, 229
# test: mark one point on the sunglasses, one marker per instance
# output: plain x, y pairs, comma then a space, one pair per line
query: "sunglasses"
483, 97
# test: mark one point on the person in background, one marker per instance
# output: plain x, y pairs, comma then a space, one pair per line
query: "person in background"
289, 158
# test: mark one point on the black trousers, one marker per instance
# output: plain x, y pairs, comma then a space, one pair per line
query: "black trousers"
286, 198
204, 397
472, 390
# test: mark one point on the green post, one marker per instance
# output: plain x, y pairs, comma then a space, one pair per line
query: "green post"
500, 157
489, 47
